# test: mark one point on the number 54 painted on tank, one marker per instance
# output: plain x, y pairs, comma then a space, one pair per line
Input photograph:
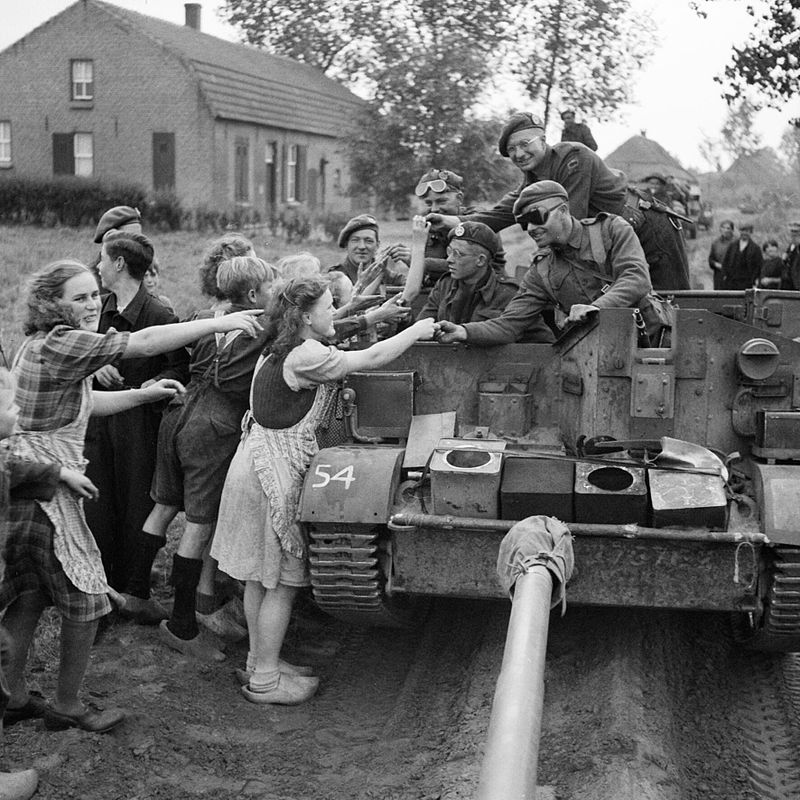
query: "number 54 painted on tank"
351, 484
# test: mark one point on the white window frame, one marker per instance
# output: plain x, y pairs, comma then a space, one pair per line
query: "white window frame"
82, 79
5, 142
83, 152
291, 172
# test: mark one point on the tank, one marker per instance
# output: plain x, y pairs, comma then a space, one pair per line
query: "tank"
452, 444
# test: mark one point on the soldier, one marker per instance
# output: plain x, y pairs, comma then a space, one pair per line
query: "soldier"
472, 291
576, 131
441, 192
592, 188
791, 258
360, 238
581, 266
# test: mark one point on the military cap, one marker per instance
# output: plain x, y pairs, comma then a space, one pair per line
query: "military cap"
359, 223
656, 176
534, 193
566, 112
518, 122
450, 180
478, 233
794, 226
118, 218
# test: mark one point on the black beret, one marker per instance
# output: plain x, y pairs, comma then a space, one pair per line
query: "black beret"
478, 233
518, 122
359, 223
115, 218
534, 193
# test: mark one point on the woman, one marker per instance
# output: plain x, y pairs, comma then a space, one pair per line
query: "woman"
53, 559
266, 547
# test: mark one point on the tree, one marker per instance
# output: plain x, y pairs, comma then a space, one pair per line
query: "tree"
711, 151
581, 53
738, 136
769, 61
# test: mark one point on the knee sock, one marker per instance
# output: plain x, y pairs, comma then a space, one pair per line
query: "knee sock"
147, 547
185, 578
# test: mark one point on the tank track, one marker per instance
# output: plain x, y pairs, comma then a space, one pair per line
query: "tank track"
778, 629
348, 566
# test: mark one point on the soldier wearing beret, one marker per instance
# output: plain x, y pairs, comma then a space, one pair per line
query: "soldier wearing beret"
791, 259
472, 291
119, 218
581, 266
576, 131
592, 188
360, 238
441, 192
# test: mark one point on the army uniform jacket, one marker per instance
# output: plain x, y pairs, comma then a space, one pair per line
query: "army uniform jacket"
555, 278
592, 187
791, 262
489, 297
578, 132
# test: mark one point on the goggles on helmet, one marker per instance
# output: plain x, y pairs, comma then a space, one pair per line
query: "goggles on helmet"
435, 186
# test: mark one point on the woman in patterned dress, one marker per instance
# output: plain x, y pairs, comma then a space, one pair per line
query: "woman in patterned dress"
51, 556
258, 539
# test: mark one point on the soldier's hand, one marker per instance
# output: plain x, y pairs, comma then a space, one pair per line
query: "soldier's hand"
109, 377
450, 332
579, 312
440, 221
400, 252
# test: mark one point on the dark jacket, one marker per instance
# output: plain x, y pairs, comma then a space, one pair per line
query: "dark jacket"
578, 132
489, 297
741, 268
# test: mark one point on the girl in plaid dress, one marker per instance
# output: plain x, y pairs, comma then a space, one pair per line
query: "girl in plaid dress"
52, 557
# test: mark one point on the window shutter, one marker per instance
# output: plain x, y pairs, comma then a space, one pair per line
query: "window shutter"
283, 173
301, 180
63, 154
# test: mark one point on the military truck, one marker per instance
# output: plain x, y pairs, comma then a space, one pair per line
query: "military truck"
453, 443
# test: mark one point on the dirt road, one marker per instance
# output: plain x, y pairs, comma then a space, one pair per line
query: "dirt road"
639, 705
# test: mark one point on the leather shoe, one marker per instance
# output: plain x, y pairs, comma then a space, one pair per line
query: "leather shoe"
290, 690
18, 785
195, 647
34, 708
142, 612
88, 720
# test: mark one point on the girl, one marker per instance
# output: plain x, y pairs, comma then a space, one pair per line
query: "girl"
55, 559
265, 546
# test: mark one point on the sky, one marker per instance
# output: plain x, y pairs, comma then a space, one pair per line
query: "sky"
677, 102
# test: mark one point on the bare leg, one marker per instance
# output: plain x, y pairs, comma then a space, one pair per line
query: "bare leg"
159, 519
253, 597
271, 624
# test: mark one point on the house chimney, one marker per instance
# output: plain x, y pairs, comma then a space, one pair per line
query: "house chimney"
193, 15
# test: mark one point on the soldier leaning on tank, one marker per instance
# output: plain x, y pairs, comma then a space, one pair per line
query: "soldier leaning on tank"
441, 192
576, 131
593, 188
581, 266
791, 259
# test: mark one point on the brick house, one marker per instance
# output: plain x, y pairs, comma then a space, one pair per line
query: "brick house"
104, 92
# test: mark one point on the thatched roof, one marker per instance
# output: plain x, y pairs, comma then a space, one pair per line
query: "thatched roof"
639, 157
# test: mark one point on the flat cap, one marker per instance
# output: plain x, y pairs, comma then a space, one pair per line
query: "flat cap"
794, 226
518, 122
534, 193
567, 112
453, 180
359, 223
118, 218
478, 233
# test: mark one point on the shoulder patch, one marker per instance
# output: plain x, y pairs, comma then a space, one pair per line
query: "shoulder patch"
572, 165
594, 220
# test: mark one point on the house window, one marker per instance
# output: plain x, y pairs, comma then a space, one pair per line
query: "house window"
82, 80
291, 172
73, 154
241, 171
5, 143
83, 149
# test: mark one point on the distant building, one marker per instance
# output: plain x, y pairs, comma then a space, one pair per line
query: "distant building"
115, 95
639, 157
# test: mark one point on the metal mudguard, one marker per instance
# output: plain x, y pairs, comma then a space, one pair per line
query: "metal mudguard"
777, 490
351, 484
